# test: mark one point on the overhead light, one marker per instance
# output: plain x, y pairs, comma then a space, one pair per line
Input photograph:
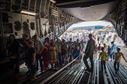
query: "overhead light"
28, 12
53, 1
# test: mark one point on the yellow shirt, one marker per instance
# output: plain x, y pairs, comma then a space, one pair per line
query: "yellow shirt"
103, 56
118, 56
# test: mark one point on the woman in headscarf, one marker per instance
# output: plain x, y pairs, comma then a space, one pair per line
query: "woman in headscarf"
45, 54
53, 55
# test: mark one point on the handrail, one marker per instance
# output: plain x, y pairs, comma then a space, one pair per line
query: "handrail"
50, 77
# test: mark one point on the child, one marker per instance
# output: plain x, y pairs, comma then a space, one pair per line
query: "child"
104, 57
118, 56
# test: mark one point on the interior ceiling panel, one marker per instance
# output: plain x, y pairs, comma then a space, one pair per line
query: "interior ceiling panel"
87, 9
80, 3
95, 12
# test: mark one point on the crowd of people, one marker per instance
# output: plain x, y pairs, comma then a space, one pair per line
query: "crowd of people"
53, 53
42, 56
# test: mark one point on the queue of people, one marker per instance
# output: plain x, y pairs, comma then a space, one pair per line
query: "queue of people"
38, 55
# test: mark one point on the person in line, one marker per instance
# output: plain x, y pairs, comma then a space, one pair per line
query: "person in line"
104, 57
38, 46
118, 56
78, 44
45, 54
25, 47
58, 46
31, 60
77, 53
89, 51
74, 52
113, 50
70, 50
63, 52
53, 54
13, 53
